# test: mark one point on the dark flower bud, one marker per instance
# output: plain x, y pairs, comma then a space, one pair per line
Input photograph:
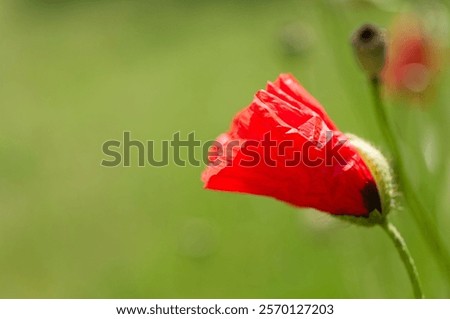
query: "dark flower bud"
369, 45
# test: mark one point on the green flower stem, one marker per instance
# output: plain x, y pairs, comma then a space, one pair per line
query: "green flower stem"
419, 212
383, 120
405, 255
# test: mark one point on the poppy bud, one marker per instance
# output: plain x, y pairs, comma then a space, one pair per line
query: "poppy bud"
293, 120
369, 45
383, 176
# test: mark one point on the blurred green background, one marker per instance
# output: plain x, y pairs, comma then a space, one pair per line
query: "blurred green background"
74, 74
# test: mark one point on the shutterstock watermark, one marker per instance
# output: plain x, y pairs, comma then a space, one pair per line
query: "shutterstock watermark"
184, 151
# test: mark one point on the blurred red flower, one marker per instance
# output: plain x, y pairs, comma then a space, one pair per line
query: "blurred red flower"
412, 58
285, 146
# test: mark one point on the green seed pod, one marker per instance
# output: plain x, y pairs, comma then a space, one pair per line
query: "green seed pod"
369, 45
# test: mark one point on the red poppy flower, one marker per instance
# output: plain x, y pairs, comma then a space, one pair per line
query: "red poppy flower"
285, 146
412, 59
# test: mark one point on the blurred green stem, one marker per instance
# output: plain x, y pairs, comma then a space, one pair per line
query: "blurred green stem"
419, 212
406, 257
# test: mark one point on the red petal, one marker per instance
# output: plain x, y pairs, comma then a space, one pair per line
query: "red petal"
337, 188
290, 86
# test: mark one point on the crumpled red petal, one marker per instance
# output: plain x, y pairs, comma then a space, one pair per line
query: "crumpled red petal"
287, 112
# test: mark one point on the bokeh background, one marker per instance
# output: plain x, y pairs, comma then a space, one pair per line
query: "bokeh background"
74, 74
